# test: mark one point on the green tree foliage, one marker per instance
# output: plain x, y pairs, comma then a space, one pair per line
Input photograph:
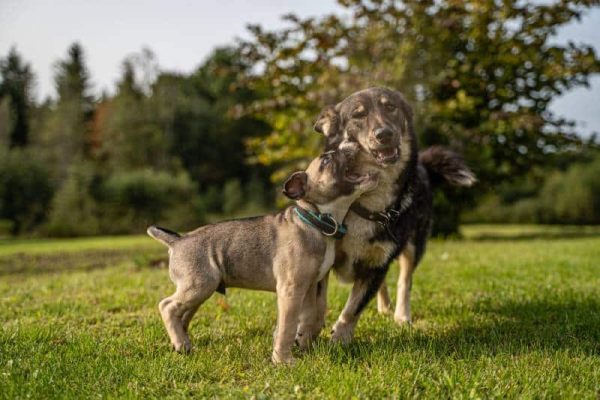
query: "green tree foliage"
129, 140
75, 210
66, 136
194, 113
139, 198
15, 89
480, 75
25, 190
571, 196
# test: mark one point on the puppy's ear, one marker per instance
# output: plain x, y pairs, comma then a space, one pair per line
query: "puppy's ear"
295, 186
328, 122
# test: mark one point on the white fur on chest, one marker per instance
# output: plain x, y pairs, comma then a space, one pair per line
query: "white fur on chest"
328, 259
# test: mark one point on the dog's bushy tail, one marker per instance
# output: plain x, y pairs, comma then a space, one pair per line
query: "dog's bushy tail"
443, 164
165, 236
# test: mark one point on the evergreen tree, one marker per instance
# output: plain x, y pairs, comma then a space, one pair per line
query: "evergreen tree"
15, 88
129, 133
66, 136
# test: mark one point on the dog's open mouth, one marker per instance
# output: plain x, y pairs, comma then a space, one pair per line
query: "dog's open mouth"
386, 156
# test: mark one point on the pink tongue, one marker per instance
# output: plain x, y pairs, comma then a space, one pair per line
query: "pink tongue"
388, 153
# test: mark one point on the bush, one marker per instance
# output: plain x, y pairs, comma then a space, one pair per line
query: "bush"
567, 197
136, 199
573, 196
25, 191
75, 211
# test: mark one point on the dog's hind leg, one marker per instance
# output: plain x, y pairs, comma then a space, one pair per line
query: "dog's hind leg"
407, 267
384, 303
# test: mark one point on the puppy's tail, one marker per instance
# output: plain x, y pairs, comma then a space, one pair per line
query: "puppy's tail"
163, 235
443, 164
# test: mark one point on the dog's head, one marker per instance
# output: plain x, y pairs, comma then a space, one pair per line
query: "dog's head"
377, 119
328, 178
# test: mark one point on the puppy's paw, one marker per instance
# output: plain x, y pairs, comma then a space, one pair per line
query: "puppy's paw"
282, 359
184, 347
384, 309
402, 320
342, 333
304, 340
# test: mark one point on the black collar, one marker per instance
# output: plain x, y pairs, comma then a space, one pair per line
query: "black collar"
387, 218
325, 223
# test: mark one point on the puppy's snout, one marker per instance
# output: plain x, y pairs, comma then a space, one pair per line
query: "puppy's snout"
383, 134
349, 148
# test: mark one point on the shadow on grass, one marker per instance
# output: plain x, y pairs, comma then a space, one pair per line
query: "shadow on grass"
510, 329
34, 264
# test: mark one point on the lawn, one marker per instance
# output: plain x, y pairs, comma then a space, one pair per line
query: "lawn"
507, 312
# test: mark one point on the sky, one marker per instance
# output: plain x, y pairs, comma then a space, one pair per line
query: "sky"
182, 34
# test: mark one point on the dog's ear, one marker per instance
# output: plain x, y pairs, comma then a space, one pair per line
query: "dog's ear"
295, 186
328, 122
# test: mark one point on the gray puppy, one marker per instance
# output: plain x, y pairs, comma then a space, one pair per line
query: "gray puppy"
288, 253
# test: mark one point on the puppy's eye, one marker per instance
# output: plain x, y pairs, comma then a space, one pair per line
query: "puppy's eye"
325, 161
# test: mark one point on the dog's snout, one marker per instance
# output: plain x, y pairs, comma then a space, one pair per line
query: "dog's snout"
383, 134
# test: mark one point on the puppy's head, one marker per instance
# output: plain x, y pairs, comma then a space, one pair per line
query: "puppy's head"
378, 119
329, 177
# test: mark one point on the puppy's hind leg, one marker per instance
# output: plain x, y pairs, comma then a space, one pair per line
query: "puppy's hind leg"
177, 311
407, 268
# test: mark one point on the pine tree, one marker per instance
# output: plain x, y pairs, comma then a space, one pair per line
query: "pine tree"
15, 88
66, 138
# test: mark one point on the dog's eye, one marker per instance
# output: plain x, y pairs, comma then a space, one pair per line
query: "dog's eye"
390, 107
358, 113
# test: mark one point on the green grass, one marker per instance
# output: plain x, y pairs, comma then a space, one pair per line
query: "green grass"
511, 316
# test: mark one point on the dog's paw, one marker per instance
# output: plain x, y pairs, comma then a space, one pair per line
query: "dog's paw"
282, 359
342, 333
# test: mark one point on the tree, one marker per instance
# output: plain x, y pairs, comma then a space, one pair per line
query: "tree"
15, 88
126, 131
480, 75
66, 136
194, 114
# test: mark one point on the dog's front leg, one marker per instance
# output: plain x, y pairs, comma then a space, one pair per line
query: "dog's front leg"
289, 304
407, 267
365, 286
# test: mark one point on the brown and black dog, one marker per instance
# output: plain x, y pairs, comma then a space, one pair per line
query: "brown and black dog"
393, 220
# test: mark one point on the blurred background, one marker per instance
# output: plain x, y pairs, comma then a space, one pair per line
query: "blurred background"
118, 114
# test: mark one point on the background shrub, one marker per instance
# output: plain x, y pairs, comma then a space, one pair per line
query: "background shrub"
136, 199
75, 211
25, 191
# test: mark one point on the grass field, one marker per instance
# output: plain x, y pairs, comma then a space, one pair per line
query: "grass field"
508, 312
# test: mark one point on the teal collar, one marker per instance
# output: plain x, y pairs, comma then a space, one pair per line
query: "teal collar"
325, 223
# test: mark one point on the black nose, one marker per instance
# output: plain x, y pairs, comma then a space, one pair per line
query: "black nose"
383, 134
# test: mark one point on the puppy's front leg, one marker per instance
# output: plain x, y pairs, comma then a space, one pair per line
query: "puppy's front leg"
312, 316
289, 303
307, 321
